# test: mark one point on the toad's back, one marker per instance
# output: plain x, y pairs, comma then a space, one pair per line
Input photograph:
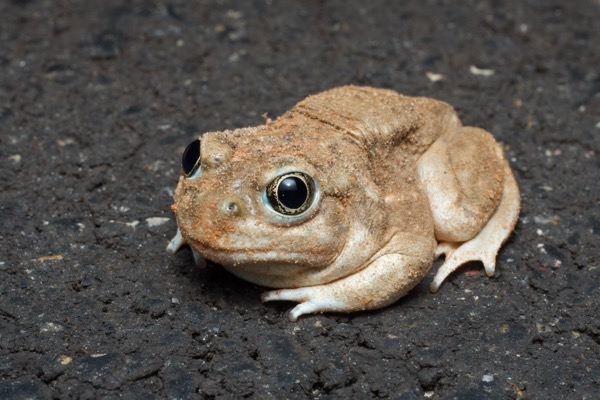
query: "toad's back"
380, 120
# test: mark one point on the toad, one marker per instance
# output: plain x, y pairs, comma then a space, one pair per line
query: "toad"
343, 203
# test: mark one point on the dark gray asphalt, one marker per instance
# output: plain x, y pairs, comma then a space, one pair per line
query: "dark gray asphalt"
99, 98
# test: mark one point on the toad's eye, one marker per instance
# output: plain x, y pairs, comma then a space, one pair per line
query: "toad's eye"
291, 193
190, 161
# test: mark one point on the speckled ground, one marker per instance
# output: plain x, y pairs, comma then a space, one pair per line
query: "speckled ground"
97, 101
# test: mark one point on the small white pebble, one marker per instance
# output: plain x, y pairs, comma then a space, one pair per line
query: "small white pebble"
433, 77
481, 71
487, 378
51, 327
65, 142
234, 14
156, 221
64, 359
543, 220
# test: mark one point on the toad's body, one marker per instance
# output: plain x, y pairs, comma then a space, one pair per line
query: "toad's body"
388, 182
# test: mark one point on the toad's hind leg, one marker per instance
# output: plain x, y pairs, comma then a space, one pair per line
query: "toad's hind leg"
485, 245
473, 196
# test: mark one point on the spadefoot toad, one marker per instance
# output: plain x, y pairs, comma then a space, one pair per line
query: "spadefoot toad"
346, 199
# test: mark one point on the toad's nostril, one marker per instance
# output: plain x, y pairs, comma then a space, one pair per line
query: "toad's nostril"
232, 207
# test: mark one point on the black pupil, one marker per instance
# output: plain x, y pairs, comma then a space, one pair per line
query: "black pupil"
190, 157
292, 192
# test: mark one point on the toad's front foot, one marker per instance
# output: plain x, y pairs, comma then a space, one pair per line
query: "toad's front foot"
380, 283
312, 299
178, 241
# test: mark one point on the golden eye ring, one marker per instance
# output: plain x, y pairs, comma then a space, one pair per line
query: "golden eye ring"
291, 194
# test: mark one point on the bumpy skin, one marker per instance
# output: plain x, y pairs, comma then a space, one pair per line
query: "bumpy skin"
400, 182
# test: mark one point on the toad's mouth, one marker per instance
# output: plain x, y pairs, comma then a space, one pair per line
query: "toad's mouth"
260, 257
267, 267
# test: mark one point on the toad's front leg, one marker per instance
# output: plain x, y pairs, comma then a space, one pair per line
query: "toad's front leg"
379, 284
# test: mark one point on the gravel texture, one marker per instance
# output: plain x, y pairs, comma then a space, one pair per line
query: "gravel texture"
99, 98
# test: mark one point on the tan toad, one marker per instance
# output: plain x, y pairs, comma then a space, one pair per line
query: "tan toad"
346, 199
